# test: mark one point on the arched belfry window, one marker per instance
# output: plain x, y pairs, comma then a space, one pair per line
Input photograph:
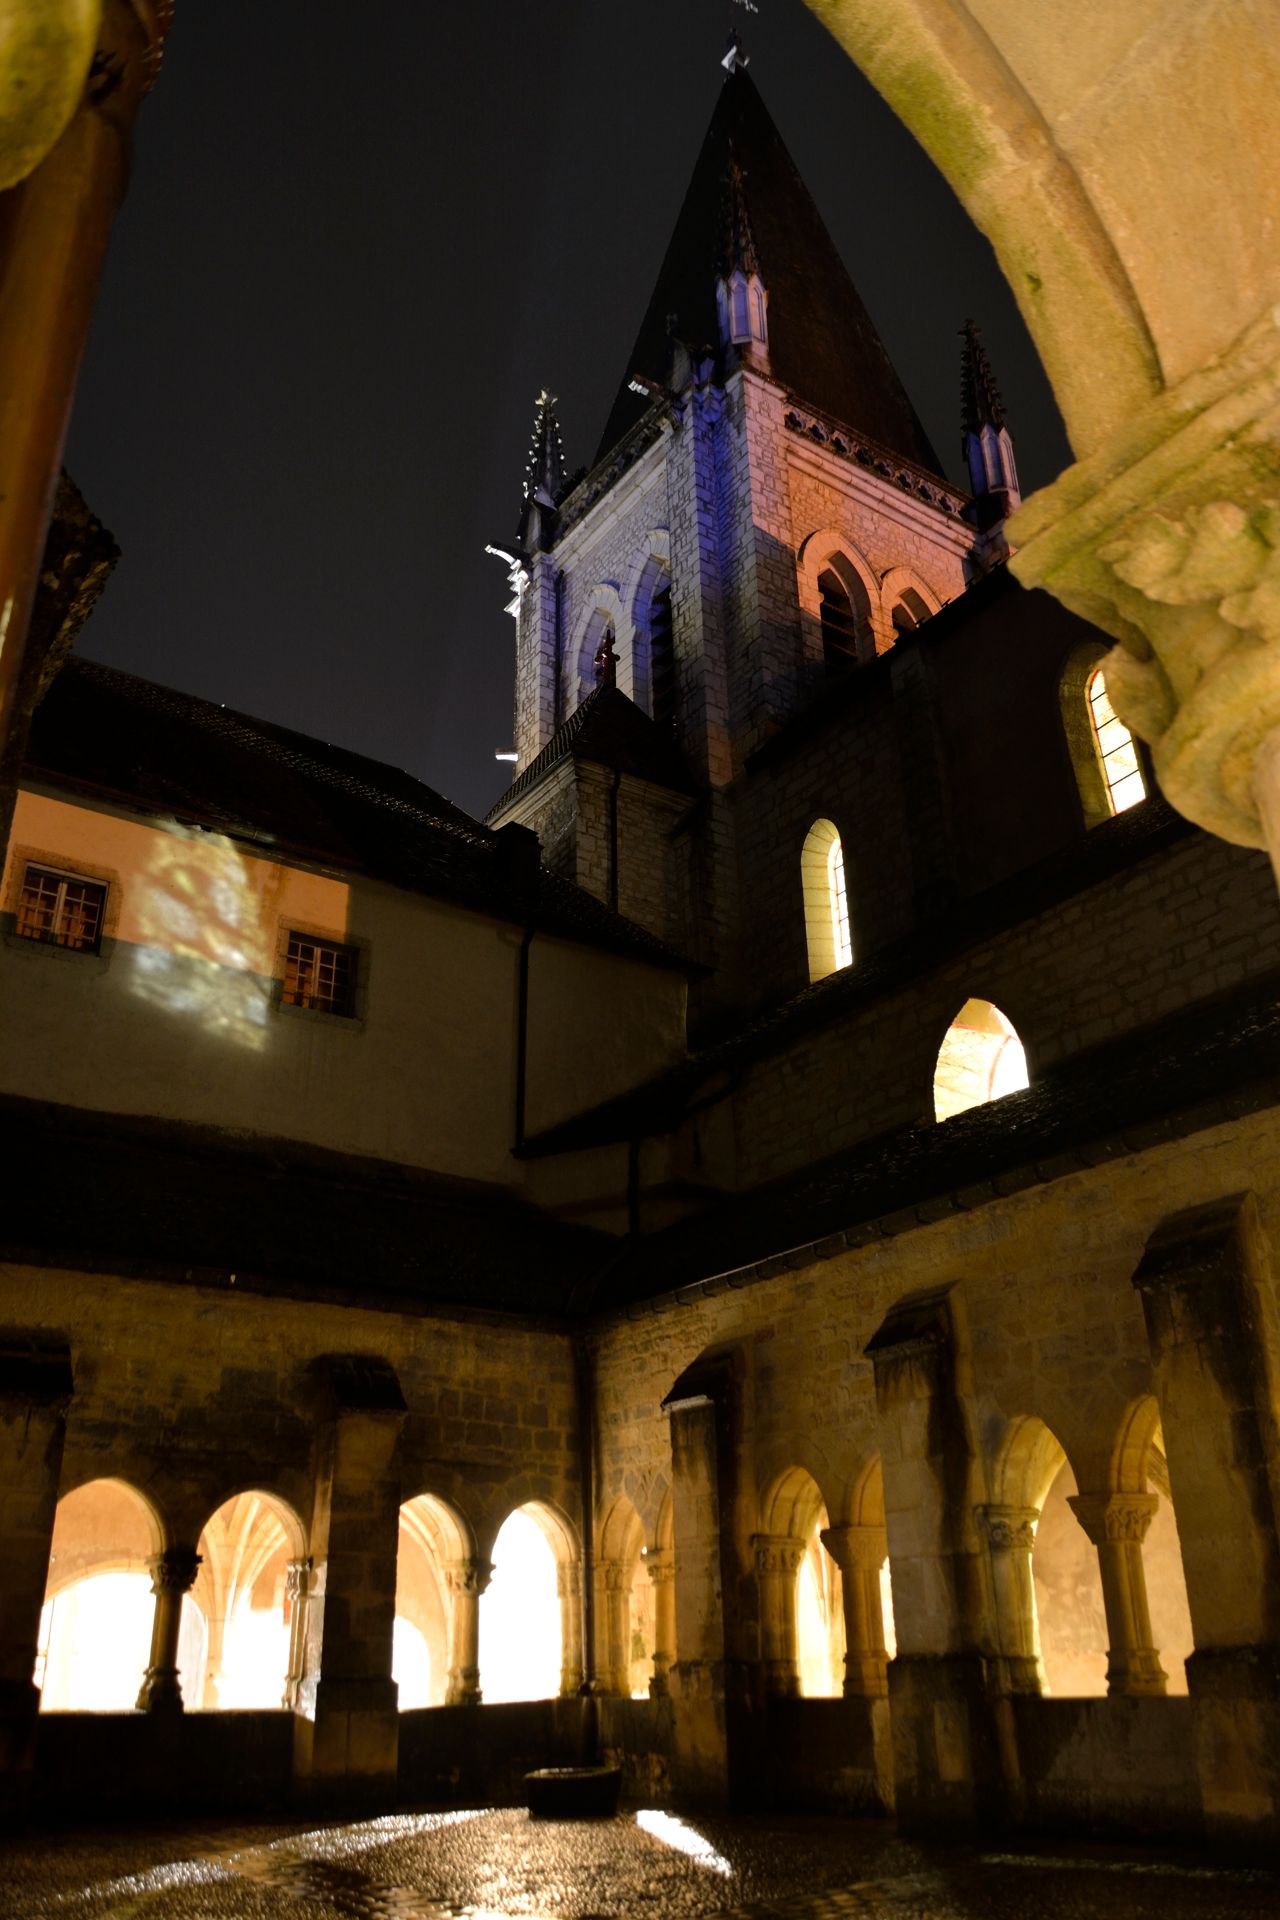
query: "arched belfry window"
910, 612
981, 1059
845, 616
826, 901
662, 660
1115, 748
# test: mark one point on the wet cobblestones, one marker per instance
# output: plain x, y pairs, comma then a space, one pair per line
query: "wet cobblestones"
480, 1866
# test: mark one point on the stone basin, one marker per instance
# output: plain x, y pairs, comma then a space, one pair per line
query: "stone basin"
573, 1793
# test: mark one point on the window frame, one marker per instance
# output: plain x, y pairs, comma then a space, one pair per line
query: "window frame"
21, 858
349, 1019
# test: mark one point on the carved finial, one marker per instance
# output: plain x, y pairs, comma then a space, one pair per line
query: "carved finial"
734, 58
606, 661
737, 240
980, 402
544, 471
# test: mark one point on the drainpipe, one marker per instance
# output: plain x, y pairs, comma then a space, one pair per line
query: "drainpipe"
519, 863
613, 837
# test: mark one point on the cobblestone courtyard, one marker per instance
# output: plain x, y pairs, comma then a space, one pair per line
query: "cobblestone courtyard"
477, 1866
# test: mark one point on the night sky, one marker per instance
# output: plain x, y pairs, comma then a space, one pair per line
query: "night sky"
357, 242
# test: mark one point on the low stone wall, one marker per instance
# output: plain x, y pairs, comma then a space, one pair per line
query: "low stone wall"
115, 1763
814, 1756
639, 1737
1124, 1766
478, 1756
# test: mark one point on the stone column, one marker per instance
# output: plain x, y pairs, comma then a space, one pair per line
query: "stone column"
697, 1679
1011, 1536
466, 1581
952, 1763
173, 1575
569, 1590
35, 1392
614, 1578
1210, 1310
297, 1593
346, 1730
778, 1560
661, 1569
860, 1552
1117, 1525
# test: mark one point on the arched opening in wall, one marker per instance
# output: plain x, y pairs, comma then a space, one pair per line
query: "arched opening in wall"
1115, 748
241, 1595
625, 1616
1143, 1467
521, 1637
910, 611
95, 1627
602, 661
434, 1542
825, 890
653, 672
981, 1059
844, 613
802, 1615
1068, 1594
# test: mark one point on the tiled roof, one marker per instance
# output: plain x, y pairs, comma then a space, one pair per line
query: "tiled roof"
108, 733
1206, 1065
611, 731
822, 343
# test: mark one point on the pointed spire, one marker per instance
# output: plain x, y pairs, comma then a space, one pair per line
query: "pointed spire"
980, 402
544, 470
734, 57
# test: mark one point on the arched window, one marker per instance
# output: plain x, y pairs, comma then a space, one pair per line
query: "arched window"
910, 612
841, 627
1115, 748
981, 1059
826, 901
662, 660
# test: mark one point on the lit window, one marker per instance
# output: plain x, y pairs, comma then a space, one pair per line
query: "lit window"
1117, 754
981, 1059
61, 910
839, 899
319, 975
826, 901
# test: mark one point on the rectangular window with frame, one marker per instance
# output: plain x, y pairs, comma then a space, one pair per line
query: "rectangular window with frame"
320, 975
61, 909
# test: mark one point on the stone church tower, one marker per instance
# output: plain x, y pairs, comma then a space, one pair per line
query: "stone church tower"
764, 512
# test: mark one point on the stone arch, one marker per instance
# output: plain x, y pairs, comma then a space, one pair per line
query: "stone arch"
824, 885
531, 1610
601, 609
981, 1058
624, 1603
799, 1587
95, 1627
904, 593
1140, 1469
247, 1546
829, 551
437, 1571
647, 680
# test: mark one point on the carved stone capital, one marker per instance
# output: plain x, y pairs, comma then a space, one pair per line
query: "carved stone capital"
468, 1576
616, 1575
1169, 538
777, 1553
861, 1549
1009, 1528
297, 1578
661, 1565
174, 1570
1114, 1518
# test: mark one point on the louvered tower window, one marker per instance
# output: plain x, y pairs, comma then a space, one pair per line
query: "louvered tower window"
662, 660
839, 624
